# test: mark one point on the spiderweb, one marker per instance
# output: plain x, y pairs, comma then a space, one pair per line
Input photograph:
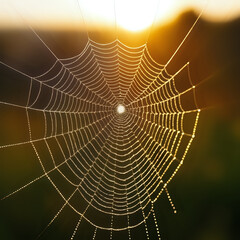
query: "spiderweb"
109, 166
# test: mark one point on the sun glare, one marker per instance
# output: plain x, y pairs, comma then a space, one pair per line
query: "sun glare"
137, 15
133, 15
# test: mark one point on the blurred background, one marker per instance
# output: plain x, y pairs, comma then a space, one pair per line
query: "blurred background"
205, 191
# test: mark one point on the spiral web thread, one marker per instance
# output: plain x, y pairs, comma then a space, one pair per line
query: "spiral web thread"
116, 166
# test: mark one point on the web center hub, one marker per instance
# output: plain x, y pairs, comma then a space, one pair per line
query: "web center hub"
121, 109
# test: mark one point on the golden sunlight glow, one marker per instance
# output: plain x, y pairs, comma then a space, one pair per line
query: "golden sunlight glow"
134, 15
137, 15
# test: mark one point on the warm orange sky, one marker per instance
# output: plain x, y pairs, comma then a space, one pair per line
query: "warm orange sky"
130, 14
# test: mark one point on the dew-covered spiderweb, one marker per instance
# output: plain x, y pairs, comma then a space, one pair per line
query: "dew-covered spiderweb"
110, 128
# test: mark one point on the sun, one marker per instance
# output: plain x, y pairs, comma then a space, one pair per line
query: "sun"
135, 15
